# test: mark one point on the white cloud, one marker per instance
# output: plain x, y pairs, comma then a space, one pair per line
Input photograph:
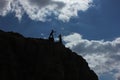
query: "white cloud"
72, 7
102, 56
4, 7
16, 7
117, 76
41, 9
72, 40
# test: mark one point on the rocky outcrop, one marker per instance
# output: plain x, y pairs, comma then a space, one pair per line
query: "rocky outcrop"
39, 59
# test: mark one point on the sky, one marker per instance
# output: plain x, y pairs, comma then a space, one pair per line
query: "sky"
89, 27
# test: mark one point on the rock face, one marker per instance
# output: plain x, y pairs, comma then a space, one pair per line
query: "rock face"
38, 59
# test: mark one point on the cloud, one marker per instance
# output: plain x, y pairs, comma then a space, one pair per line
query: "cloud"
3, 4
41, 9
72, 40
102, 56
4, 7
117, 76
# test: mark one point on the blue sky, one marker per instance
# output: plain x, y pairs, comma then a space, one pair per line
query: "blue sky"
91, 25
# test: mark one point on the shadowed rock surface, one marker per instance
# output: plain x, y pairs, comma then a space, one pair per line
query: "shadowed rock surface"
39, 59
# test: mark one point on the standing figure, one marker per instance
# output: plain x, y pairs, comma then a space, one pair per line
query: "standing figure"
60, 38
51, 36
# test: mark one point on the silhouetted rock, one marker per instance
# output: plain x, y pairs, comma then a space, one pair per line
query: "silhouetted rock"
38, 59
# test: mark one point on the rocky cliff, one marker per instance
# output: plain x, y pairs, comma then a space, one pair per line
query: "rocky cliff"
39, 59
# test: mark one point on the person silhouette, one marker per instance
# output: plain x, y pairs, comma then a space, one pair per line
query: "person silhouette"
60, 38
51, 36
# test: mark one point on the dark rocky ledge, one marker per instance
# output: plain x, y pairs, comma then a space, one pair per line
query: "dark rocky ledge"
39, 59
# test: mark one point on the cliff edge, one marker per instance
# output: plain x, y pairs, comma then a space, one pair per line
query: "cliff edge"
39, 59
